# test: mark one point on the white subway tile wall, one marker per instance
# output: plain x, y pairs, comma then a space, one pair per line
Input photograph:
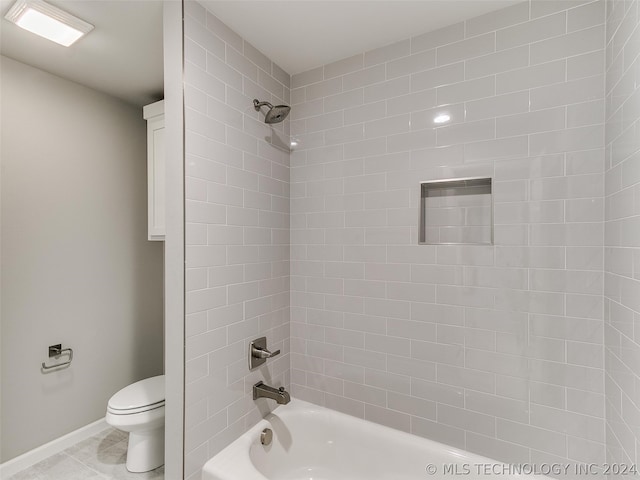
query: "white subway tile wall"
622, 234
237, 232
495, 349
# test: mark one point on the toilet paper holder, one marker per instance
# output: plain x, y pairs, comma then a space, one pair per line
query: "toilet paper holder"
56, 351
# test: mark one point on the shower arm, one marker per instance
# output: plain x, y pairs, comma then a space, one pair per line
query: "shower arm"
257, 104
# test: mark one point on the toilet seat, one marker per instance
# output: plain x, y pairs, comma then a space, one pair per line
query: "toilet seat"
131, 411
142, 396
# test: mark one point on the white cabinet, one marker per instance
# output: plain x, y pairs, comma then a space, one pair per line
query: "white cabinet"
154, 115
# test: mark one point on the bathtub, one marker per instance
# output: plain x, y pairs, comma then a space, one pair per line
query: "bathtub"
316, 443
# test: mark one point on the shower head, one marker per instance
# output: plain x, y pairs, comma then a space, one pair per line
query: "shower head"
275, 114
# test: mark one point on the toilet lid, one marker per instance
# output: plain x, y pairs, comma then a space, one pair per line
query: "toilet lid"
149, 391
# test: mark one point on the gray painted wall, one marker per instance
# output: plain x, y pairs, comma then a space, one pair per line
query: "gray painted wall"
77, 268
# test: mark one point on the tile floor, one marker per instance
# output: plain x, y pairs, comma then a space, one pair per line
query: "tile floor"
101, 457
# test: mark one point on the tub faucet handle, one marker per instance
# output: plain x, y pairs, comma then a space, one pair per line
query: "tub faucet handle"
263, 353
258, 352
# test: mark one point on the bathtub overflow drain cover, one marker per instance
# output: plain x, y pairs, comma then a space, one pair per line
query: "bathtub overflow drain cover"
266, 436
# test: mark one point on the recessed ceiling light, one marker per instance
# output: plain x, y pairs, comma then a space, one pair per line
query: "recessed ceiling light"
442, 118
48, 21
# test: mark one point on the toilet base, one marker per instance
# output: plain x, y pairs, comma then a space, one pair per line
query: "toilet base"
146, 450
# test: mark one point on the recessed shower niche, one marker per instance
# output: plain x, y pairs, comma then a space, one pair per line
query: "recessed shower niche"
456, 211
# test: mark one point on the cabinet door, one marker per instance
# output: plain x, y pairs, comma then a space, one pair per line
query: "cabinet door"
155, 180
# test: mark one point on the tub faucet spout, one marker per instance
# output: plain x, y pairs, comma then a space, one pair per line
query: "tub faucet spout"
260, 390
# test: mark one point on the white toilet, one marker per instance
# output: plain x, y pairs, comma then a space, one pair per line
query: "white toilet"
139, 410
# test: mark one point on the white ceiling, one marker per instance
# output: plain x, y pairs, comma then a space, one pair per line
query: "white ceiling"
122, 56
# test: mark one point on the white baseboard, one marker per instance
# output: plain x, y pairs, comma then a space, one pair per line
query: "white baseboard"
38, 454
